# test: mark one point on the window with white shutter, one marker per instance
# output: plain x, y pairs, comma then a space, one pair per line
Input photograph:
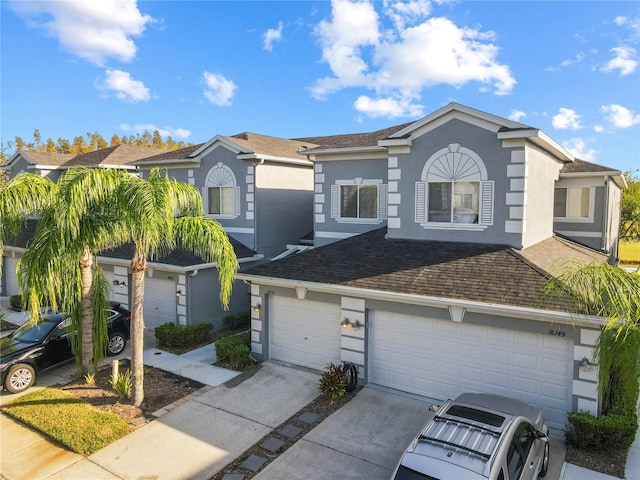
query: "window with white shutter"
359, 201
221, 194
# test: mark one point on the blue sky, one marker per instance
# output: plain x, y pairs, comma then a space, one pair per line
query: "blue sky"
194, 69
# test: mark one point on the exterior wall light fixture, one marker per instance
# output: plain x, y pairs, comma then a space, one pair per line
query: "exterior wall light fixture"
345, 323
257, 307
585, 364
121, 284
179, 293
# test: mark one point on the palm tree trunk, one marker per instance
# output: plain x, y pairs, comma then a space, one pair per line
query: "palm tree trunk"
138, 267
86, 311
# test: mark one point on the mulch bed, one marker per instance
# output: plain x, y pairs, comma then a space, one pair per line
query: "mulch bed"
604, 462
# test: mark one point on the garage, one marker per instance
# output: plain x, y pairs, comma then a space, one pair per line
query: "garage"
159, 302
11, 279
304, 332
441, 359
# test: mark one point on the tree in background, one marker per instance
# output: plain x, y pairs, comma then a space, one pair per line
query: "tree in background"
630, 210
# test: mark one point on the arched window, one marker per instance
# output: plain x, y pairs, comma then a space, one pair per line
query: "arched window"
454, 189
220, 194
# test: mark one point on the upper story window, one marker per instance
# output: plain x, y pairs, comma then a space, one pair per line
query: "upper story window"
359, 201
573, 204
221, 194
454, 190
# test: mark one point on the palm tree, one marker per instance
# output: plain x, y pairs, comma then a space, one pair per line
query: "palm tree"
58, 268
160, 215
21, 197
610, 292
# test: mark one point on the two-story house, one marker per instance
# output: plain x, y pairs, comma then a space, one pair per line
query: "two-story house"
434, 243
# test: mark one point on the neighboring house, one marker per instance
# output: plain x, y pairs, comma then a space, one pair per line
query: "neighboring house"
180, 287
52, 165
435, 240
259, 188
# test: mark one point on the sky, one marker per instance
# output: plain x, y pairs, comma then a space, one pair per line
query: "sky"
196, 69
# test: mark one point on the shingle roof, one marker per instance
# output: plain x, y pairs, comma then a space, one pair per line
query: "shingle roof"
272, 146
368, 139
179, 258
180, 154
118, 155
463, 271
580, 166
48, 158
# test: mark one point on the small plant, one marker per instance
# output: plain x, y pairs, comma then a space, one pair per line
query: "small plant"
170, 335
15, 302
237, 320
122, 384
90, 379
333, 384
607, 433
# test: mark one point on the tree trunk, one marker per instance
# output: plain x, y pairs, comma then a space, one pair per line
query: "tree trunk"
86, 312
138, 268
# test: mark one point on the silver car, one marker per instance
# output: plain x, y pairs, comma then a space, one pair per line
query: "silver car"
477, 437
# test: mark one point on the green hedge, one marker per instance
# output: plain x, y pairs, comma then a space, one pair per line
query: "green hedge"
237, 320
607, 433
234, 350
174, 336
15, 302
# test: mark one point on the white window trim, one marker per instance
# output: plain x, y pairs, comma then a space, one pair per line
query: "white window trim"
592, 206
382, 202
221, 175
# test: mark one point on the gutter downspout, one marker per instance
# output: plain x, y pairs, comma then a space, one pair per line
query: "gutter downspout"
605, 217
255, 204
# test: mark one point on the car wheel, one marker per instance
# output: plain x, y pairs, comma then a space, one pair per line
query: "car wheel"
19, 378
116, 343
545, 461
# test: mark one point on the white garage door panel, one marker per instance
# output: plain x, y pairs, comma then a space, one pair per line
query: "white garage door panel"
159, 302
304, 333
10, 275
441, 359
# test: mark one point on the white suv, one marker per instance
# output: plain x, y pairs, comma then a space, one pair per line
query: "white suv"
478, 437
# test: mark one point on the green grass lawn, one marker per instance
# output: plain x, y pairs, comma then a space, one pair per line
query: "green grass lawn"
629, 253
68, 420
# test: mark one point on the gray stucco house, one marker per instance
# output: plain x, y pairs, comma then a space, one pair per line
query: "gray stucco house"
434, 241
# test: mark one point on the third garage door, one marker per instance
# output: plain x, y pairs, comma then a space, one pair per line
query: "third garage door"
441, 359
303, 332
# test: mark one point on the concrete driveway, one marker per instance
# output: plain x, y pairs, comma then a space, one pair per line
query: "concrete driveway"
365, 439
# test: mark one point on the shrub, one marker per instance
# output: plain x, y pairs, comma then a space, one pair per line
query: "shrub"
122, 384
234, 350
332, 384
15, 301
609, 433
171, 335
237, 320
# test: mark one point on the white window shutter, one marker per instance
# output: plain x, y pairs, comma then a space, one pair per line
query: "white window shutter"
382, 201
335, 201
205, 200
236, 200
486, 203
421, 202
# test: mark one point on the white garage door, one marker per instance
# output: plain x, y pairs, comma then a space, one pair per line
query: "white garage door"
11, 279
304, 333
159, 302
441, 359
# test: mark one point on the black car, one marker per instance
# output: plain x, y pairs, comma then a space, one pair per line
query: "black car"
33, 348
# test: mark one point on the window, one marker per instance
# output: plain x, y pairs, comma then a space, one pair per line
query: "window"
572, 203
221, 195
359, 200
221, 200
454, 190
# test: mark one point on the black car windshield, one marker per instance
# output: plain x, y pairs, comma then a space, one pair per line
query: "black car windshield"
33, 333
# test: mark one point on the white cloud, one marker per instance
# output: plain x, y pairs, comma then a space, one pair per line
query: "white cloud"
578, 148
93, 30
620, 20
566, 119
218, 90
625, 61
272, 35
150, 127
619, 116
598, 128
398, 63
517, 115
387, 107
124, 87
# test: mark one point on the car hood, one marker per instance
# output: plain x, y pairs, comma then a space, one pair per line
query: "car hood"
11, 348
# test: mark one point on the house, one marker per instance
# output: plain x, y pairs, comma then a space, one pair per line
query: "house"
52, 165
434, 243
259, 188
180, 287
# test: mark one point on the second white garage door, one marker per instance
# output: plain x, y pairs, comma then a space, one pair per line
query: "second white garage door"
11, 278
303, 332
441, 359
159, 302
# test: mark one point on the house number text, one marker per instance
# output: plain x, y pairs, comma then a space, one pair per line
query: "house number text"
557, 333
